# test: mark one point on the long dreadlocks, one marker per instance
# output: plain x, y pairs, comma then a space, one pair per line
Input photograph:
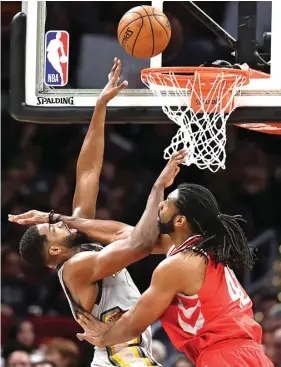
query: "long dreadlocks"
223, 238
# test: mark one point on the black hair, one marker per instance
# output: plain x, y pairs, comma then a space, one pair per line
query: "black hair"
223, 238
32, 247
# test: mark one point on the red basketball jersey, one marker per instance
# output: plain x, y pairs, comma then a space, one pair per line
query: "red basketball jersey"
221, 310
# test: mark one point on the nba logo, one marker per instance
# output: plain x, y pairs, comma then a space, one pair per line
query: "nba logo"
56, 58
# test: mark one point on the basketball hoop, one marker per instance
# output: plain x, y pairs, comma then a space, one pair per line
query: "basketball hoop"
204, 101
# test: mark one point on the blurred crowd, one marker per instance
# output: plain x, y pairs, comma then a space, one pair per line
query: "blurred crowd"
38, 172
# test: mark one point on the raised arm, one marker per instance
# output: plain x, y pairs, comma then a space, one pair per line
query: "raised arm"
94, 266
90, 159
103, 231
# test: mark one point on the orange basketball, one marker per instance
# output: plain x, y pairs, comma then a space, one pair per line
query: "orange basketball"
144, 32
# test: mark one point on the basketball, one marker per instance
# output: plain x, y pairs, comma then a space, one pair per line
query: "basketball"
144, 32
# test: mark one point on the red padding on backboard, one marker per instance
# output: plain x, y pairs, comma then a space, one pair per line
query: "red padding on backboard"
263, 127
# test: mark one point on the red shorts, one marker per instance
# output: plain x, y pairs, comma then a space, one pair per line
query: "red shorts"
234, 353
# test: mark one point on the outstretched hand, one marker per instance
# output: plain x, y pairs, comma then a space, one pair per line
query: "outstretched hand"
172, 168
30, 217
93, 328
112, 88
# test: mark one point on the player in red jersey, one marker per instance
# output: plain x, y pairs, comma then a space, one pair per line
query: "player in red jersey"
194, 291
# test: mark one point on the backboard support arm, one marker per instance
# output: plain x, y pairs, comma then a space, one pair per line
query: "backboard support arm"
210, 23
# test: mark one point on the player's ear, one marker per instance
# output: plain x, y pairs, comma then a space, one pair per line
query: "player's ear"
54, 250
180, 220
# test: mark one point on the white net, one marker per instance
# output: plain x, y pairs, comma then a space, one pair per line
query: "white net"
201, 109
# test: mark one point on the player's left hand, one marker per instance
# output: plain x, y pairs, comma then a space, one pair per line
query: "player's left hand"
112, 88
30, 217
94, 329
172, 168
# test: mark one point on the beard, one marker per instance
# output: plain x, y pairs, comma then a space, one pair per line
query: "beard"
166, 227
77, 240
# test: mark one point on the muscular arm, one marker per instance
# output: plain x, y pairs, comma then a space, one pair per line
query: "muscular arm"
91, 266
166, 281
89, 166
164, 285
108, 231
90, 159
103, 231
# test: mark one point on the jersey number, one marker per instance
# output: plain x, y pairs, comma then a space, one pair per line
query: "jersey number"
234, 288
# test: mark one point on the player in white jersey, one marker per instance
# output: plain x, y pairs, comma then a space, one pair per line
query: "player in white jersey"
90, 278
116, 293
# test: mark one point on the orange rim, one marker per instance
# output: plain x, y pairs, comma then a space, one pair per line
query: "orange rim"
184, 74
188, 76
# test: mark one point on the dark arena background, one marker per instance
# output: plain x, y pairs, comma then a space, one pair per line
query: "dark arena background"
38, 172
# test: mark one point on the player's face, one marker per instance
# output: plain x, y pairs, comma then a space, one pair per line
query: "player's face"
59, 239
167, 213
58, 233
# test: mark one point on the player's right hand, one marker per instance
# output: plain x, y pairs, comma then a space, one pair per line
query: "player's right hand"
112, 88
169, 173
30, 217
94, 329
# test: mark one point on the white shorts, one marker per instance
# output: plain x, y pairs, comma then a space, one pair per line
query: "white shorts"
136, 353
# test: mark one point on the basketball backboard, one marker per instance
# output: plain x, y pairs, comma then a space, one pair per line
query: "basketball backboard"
91, 53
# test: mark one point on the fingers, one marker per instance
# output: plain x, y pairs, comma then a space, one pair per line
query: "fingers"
82, 322
80, 336
116, 70
112, 71
90, 339
27, 221
115, 76
180, 161
12, 218
178, 157
179, 154
24, 219
86, 320
83, 318
85, 315
122, 86
15, 218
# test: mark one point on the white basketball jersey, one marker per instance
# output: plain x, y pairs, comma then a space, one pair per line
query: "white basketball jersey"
116, 294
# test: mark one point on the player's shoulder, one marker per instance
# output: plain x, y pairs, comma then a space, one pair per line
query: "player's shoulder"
166, 275
180, 263
185, 274
170, 265
80, 259
188, 257
79, 264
